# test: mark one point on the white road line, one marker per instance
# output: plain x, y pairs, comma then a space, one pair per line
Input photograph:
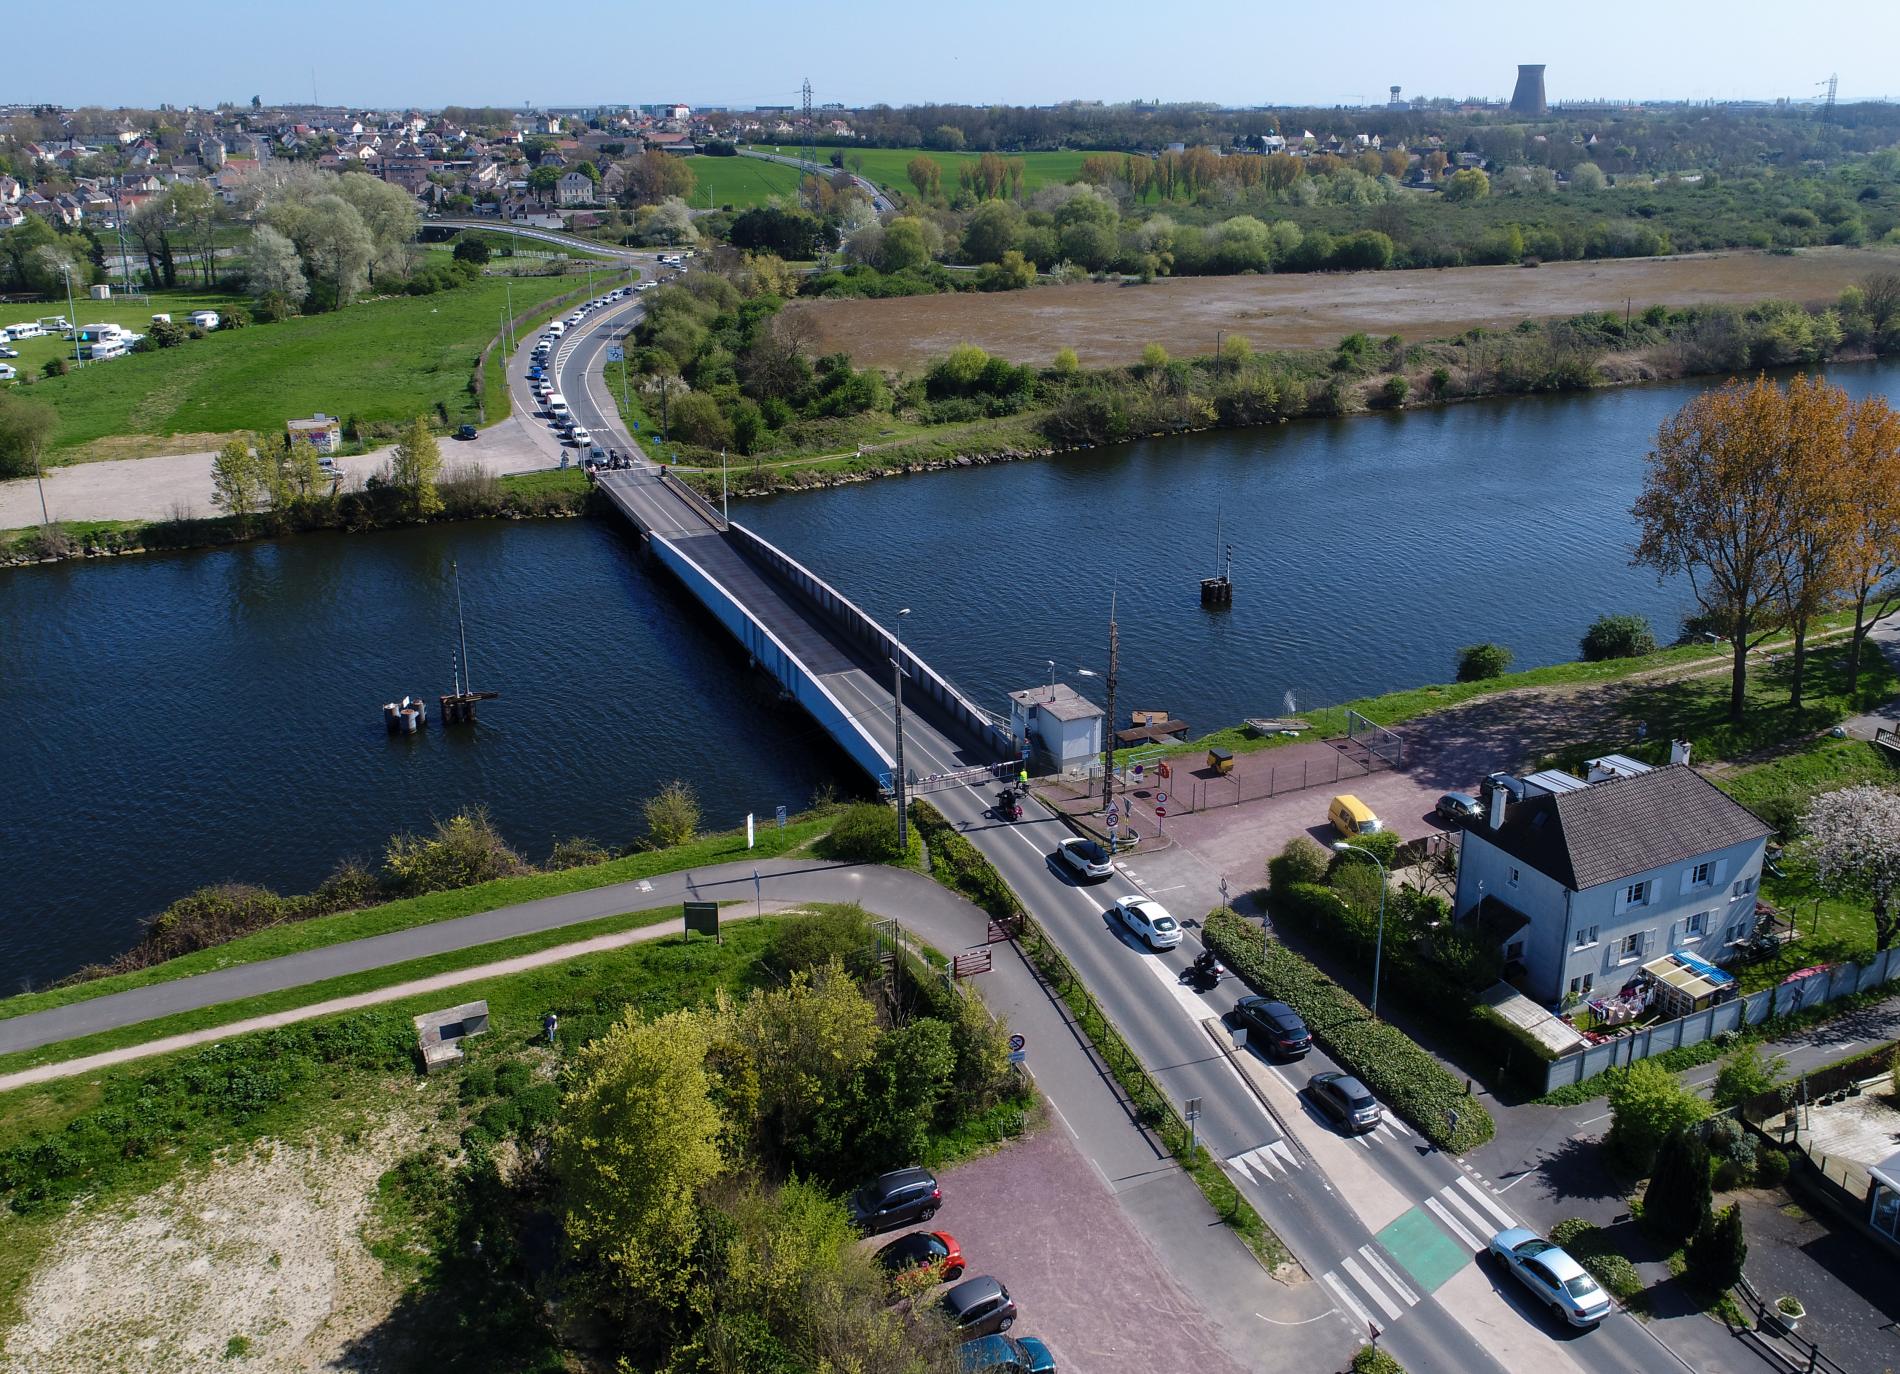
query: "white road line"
1282, 1151
1372, 1290
1503, 1218
1467, 1211
1371, 1256
1451, 1223
1344, 1294
1519, 1179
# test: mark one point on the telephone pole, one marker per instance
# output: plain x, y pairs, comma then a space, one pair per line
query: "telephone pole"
1114, 649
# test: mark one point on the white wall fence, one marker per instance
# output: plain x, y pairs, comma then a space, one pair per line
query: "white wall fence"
1834, 981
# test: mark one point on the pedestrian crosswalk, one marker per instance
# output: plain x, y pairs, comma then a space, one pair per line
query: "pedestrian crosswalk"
1388, 1129
1380, 1280
1269, 1161
1468, 1212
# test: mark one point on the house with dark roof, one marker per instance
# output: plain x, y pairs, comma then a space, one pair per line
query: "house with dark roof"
1582, 886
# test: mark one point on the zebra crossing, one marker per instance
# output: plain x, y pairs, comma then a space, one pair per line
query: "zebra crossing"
1271, 1160
1375, 1286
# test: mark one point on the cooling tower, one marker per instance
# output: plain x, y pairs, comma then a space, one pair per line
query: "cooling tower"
1528, 98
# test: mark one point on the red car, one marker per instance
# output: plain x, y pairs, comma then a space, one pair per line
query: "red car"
934, 1255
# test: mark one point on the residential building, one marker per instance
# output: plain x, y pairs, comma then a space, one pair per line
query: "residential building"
1582, 887
574, 188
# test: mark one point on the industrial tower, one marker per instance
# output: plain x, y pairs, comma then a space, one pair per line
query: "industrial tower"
1528, 98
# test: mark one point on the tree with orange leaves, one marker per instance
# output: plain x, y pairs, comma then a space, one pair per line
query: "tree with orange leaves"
1814, 487
1870, 557
1711, 509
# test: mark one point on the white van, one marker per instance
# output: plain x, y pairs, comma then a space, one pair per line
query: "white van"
556, 329
557, 406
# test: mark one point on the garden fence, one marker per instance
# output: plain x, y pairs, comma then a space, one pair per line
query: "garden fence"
1824, 985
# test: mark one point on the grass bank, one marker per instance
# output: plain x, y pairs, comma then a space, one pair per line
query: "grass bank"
435, 906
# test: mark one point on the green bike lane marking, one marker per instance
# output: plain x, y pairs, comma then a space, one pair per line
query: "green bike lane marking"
1424, 1251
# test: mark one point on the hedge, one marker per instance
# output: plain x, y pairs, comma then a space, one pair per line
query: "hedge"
1383, 1057
959, 864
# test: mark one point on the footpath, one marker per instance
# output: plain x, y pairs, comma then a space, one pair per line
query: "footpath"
1178, 1240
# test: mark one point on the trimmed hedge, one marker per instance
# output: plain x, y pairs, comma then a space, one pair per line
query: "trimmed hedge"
1382, 1056
959, 864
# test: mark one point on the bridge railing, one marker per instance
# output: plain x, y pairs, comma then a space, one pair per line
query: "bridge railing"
922, 677
699, 503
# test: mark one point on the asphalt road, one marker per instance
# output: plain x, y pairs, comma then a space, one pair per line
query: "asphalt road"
553, 237
879, 201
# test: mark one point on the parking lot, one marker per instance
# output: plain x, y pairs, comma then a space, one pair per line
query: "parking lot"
1038, 1217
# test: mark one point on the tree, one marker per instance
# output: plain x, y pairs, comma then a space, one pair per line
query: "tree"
1814, 494
193, 208
237, 480
1617, 636
25, 426
1719, 1250
1647, 1102
473, 250
1066, 364
1870, 553
1467, 183
1587, 176
335, 244
926, 174
1746, 1075
651, 177
947, 137
994, 228
257, 102
274, 272
1476, 662
1154, 357
638, 1141
1711, 508
904, 245
1853, 842
1676, 1204
672, 814
414, 465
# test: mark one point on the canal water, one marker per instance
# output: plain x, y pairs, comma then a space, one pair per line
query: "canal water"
178, 719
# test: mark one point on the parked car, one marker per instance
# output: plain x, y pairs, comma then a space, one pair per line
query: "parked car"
1000, 1354
9, 352
898, 1198
1274, 1026
1085, 858
1512, 785
1149, 921
979, 1307
1346, 1100
934, 1253
1352, 817
465, 431
1456, 808
1560, 1283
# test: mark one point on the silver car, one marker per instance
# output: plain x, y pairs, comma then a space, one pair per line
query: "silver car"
1560, 1283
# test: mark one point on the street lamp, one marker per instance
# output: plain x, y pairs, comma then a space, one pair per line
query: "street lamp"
897, 701
1378, 950
66, 271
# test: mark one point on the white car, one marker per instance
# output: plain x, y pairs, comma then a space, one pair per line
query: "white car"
1149, 920
1559, 1282
9, 352
1085, 858
579, 437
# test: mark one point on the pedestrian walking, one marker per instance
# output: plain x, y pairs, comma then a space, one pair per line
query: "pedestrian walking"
549, 1024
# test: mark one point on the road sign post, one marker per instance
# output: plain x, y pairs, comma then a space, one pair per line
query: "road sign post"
1191, 1109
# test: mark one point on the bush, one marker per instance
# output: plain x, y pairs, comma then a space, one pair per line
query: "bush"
1476, 662
866, 833
464, 850
1300, 861
1415, 1085
1745, 1075
1719, 1250
672, 816
1371, 1360
1647, 1102
577, 851
1771, 1168
1592, 1247
958, 863
1617, 636
812, 941
1383, 844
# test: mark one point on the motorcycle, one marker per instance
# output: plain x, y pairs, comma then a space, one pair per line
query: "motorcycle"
1205, 973
1008, 806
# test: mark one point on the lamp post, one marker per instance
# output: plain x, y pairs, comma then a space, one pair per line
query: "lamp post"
1052, 678
1378, 950
897, 701
72, 317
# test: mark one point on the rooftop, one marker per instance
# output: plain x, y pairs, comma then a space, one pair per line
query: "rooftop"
1061, 701
1623, 826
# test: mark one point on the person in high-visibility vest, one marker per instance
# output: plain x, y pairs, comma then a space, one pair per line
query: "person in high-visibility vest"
1023, 777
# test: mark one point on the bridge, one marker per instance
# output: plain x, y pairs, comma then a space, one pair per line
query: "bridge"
826, 653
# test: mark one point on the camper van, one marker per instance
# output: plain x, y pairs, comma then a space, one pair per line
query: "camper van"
205, 319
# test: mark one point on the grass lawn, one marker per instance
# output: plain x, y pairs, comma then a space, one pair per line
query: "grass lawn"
383, 360
885, 166
741, 182
435, 906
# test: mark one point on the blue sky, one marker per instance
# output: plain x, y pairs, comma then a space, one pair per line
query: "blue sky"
431, 52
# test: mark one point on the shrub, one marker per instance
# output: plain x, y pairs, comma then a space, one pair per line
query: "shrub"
464, 850
351, 886
1384, 845
1676, 1204
1744, 1076
210, 916
811, 942
1372, 1360
958, 863
865, 833
1647, 1102
1592, 1247
1617, 636
577, 851
1300, 861
1415, 1085
1476, 662
672, 816
1719, 1250
1771, 1168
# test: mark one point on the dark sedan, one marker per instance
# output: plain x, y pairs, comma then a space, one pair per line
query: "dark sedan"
922, 1257
1346, 1100
1274, 1026
1458, 808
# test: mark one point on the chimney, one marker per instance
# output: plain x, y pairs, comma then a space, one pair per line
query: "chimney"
1500, 799
1679, 750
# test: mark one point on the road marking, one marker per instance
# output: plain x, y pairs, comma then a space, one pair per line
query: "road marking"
1371, 1257
1504, 1219
1307, 1321
1519, 1179
1451, 1223
1371, 1289
1272, 1159
1341, 1292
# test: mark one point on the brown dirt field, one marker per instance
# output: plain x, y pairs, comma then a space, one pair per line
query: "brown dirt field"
1108, 325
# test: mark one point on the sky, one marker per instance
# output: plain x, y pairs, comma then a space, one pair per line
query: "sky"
428, 53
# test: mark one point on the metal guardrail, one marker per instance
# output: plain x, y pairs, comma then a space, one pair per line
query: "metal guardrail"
695, 500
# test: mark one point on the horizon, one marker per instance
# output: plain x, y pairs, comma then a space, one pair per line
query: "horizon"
1280, 68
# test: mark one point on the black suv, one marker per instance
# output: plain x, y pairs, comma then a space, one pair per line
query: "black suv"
979, 1307
1274, 1026
896, 1199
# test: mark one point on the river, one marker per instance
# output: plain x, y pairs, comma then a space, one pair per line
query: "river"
178, 719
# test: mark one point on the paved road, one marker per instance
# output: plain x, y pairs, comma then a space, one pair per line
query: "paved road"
879, 201
555, 237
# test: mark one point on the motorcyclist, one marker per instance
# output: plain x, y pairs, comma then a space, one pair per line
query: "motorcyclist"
1206, 965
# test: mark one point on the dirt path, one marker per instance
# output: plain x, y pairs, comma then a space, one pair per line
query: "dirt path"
71, 1068
1108, 324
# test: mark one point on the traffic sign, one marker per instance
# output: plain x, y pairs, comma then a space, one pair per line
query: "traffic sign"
1161, 813
1113, 810
1161, 798
1019, 1056
616, 353
1113, 820
1138, 770
1016, 1042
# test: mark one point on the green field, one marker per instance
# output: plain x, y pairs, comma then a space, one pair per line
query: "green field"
741, 182
885, 166
381, 361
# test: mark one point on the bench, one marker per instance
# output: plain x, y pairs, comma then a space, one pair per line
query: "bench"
439, 1034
